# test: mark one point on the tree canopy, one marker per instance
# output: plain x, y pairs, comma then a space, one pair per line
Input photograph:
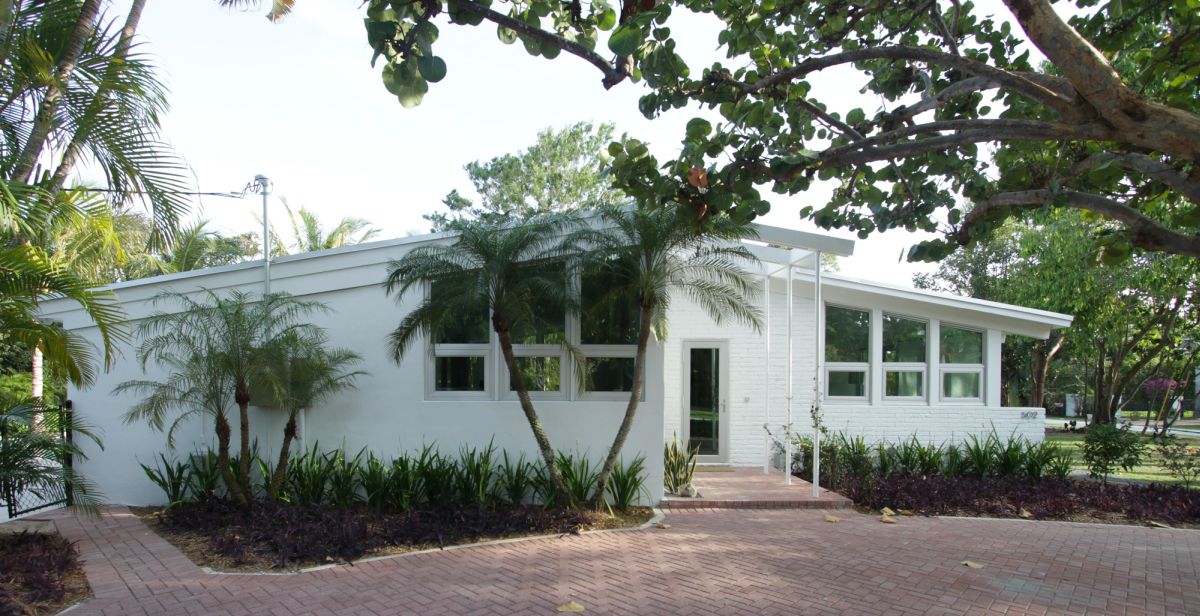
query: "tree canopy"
1108, 124
563, 170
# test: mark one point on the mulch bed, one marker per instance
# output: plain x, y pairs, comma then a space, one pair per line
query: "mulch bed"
1043, 499
279, 536
39, 574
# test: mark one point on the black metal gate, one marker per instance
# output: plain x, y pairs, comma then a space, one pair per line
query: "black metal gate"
20, 500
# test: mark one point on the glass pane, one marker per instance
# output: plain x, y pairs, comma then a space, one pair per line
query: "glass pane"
609, 374
961, 346
541, 373
903, 339
847, 334
960, 385
704, 419
467, 321
844, 383
459, 374
544, 319
904, 384
609, 316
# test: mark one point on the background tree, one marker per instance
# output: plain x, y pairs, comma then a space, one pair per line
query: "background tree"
308, 234
949, 79
513, 275
32, 457
226, 338
644, 258
1131, 319
194, 246
562, 171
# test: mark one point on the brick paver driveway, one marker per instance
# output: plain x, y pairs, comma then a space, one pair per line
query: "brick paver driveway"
707, 562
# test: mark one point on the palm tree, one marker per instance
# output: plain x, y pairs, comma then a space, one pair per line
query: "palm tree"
647, 256
215, 343
499, 269
310, 236
301, 372
193, 247
279, 8
34, 456
71, 90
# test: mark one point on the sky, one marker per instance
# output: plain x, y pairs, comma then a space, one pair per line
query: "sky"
299, 102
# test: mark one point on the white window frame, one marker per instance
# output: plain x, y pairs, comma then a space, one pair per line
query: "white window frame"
863, 366
483, 351
605, 351
963, 368
921, 367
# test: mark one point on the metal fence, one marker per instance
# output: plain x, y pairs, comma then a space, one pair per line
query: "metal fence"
20, 500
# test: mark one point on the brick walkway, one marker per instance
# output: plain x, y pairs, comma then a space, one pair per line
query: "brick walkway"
749, 488
709, 562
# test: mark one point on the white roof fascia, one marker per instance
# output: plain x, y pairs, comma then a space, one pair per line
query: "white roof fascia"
792, 238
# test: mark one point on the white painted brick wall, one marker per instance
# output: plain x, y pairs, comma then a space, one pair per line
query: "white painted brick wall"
943, 423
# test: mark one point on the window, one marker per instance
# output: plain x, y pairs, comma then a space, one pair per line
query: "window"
538, 341
608, 332
847, 352
905, 343
962, 364
460, 347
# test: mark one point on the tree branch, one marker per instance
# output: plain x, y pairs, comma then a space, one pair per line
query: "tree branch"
1148, 166
614, 73
1015, 81
1144, 231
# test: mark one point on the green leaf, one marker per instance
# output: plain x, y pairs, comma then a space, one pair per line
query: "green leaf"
606, 19
698, 128
625, 40
856, 116
432, 68
506, 35
411, 95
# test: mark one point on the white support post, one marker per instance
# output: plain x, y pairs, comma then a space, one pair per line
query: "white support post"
767, 376
819, 356
787, 431
264, 186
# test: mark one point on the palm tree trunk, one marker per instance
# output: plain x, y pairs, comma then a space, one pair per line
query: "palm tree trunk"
635, 398
223, 437
535, 423
48, 108
37, 379
277, 477
242, 396
71, 155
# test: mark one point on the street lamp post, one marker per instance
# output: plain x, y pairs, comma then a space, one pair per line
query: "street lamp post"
262, 185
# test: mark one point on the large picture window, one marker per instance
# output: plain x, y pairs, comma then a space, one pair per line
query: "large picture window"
962, 364
538, 340
905, 346
608, 331
847, 352
460, 349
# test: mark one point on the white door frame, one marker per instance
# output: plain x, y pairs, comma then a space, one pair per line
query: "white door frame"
723, 422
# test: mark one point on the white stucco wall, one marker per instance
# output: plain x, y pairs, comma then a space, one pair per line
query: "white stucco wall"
388, 413
931, 420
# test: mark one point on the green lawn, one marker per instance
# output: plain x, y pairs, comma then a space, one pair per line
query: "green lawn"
1149, 470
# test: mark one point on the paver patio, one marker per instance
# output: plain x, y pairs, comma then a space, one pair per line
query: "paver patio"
709, 562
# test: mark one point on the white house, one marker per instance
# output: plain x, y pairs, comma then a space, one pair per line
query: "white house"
896, 362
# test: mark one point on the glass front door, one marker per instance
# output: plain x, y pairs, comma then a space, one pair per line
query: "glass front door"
705, 401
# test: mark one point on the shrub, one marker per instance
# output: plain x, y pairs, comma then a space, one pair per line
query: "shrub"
980, 455
1182, 461
514, 479
171, 476
1010, 456
627, 483
204, 475
375, 478
579, 477
307, 477
343, 478
475, 476
1107, 448
38, 563
679, 465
